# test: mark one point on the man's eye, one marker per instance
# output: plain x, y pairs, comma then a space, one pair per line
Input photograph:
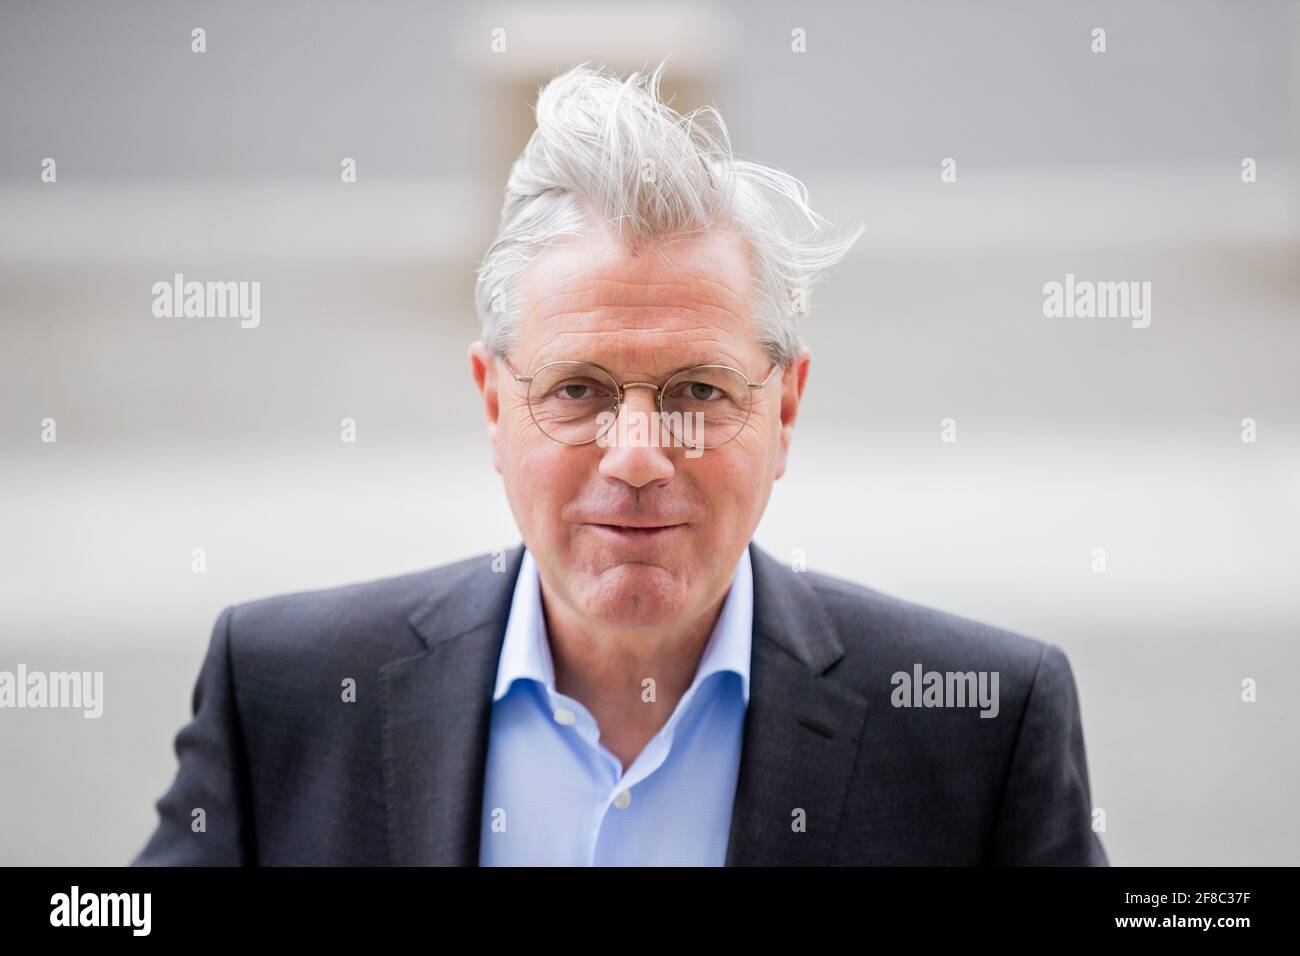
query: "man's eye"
576, 391
703, 391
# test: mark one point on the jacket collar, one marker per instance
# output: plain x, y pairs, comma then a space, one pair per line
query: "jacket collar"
801, 728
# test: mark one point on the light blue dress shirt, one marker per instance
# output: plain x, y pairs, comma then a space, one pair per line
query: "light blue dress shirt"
554, 795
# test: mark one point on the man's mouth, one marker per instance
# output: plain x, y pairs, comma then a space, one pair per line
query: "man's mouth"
642, 532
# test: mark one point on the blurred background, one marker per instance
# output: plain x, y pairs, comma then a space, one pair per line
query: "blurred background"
1072, 434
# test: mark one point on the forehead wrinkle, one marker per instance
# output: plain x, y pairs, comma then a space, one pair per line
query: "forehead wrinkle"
692, 293
640, 319
717, 324
624, 271
695, 276
707, 349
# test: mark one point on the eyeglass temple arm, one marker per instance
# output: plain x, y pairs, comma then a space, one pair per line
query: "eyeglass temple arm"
770, 372
526, 379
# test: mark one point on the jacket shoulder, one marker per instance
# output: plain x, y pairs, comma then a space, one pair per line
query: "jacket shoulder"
897, 634
369, 618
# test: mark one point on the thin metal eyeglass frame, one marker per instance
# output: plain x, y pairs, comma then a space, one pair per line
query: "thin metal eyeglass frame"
621, 387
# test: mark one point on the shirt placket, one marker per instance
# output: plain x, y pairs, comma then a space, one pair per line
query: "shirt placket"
618, 815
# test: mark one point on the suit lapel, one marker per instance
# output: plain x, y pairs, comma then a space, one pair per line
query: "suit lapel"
437, 709
801, 728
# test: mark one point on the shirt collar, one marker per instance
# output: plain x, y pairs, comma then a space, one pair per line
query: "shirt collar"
526, 651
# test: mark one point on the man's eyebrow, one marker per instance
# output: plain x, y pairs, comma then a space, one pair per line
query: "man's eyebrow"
663, 376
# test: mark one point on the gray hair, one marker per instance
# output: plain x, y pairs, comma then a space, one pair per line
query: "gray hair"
608, 147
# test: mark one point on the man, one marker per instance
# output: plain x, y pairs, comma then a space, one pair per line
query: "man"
638, 683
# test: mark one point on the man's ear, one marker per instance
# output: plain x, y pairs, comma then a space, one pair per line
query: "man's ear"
792, 383
483, 366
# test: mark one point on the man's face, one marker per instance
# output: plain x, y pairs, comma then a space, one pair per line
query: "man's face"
632, 534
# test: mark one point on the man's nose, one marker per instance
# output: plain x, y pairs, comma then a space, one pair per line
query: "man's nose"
633, 451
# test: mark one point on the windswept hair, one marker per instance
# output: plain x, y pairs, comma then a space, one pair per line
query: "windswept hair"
609, 148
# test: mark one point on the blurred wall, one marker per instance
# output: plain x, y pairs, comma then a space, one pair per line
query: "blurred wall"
1072, 434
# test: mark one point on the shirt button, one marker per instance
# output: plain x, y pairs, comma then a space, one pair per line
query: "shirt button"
564, 716
623, 800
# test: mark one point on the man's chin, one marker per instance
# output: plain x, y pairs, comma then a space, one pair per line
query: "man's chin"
635, 594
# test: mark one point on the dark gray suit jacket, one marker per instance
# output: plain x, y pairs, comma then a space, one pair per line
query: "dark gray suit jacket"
286, 772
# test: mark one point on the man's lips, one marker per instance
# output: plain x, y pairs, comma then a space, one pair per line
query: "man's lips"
634, 531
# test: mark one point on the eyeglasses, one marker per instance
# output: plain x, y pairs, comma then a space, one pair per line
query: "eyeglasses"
575, 403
